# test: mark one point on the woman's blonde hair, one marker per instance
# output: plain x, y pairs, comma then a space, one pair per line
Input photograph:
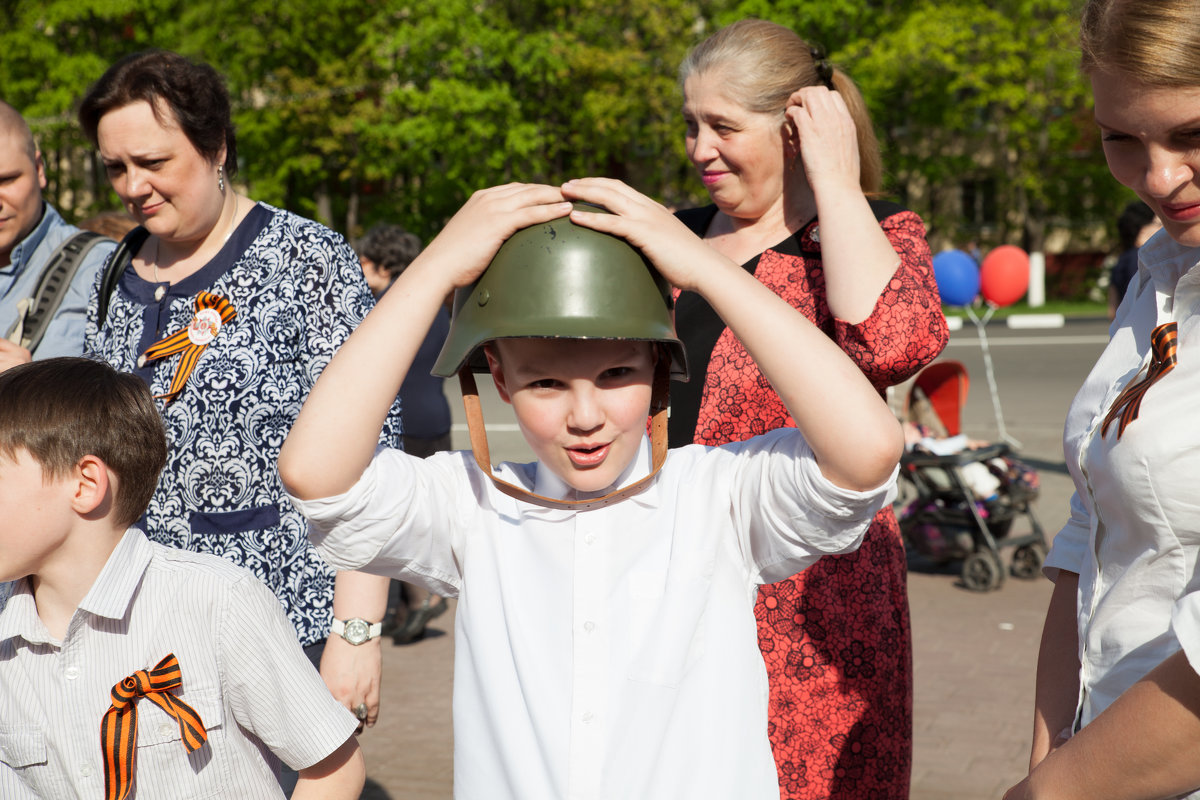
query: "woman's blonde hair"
1156, 42
763, 63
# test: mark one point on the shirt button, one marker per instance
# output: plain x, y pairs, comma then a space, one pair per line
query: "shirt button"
588, 716
159, 292
165, 730
85, 770
590, 538
589, 626
71, 673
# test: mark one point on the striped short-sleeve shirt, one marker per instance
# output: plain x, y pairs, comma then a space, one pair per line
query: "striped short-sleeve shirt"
243, 671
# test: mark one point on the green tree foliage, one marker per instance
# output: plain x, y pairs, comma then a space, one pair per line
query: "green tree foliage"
830, 24
52, 50
991, 93
354, 112
486, 93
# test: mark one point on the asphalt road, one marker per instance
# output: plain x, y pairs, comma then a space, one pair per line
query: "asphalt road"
1037, 373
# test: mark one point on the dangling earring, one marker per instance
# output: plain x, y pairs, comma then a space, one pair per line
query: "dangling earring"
221, 178
795, 155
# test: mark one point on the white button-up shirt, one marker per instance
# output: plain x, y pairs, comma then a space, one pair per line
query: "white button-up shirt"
608, 653
242, 667
1134, 529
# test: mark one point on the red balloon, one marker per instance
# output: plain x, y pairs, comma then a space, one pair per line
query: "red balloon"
1004, 275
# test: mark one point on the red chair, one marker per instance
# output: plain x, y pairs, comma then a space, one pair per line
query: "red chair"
945, 385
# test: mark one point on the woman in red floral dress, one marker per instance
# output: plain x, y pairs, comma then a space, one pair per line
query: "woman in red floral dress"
785, 147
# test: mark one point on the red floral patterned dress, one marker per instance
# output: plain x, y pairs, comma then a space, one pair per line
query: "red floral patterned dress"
836, 638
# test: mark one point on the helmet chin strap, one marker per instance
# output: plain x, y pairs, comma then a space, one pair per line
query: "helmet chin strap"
658, 444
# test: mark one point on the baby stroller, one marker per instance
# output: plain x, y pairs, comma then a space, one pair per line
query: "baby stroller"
960, 499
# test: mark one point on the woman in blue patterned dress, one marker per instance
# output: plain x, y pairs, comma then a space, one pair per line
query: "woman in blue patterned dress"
229, 310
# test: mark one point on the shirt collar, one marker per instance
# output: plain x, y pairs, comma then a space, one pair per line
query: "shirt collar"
1166, 260
548, 484
114, 588
230, 254
19, 617
1173, 269
110, 595
25, 249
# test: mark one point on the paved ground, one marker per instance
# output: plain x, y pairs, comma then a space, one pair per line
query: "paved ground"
975, 654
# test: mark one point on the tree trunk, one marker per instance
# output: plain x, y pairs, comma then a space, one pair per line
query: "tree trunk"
351, 231
324, 204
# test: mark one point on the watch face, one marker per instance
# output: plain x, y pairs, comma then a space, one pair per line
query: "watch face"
357, 631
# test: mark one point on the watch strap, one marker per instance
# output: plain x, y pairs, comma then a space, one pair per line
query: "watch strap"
338, 628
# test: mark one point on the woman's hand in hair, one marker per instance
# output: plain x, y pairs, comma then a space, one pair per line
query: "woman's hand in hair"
822, 131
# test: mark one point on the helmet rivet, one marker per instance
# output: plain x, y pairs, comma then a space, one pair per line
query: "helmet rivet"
484, 296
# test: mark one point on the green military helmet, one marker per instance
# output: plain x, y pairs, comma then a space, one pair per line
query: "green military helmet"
561, 280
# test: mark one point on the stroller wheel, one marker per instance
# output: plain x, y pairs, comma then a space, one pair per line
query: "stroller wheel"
981, 572
1027, 561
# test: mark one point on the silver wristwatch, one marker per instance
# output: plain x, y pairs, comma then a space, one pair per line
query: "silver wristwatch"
355, 630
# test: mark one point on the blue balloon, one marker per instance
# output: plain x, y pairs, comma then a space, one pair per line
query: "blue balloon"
957, 277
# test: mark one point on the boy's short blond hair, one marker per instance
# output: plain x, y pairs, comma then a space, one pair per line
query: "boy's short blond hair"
61, 409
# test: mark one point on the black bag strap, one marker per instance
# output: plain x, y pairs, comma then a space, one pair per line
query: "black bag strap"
121, 258
52, 286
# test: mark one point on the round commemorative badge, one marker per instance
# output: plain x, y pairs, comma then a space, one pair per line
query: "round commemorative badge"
204, 326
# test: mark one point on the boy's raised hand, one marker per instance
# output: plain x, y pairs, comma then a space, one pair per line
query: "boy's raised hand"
335, 435
852, 432
675, 251
471, 238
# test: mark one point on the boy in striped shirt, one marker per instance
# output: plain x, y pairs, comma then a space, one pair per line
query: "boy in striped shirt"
128, 668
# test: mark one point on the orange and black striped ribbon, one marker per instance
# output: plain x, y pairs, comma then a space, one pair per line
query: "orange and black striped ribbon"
1164, 342
181, 342
118, 728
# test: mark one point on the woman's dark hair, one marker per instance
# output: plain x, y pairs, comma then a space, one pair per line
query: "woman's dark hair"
1136, 216
390, 246
194, 92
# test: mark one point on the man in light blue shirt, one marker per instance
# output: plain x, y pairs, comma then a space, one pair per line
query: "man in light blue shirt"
30, 231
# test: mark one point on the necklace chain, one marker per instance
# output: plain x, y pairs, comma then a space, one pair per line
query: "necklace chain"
229, 233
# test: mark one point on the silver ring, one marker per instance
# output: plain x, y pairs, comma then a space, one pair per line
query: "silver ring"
360, 711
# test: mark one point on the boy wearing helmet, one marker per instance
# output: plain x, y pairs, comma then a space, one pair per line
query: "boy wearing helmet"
605, 638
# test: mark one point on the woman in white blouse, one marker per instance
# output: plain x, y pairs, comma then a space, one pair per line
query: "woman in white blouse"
1118, 695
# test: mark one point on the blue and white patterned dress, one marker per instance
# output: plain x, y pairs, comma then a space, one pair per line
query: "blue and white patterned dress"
298, 292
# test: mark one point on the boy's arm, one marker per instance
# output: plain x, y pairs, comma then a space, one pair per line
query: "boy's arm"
339, 776
337, 430
271, 689
1141, 747
855, 437
1057, 670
